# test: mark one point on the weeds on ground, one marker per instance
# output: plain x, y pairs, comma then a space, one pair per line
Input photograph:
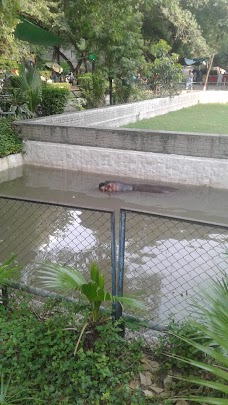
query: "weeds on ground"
38, 352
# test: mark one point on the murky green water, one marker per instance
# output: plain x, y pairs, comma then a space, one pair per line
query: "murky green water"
165, 260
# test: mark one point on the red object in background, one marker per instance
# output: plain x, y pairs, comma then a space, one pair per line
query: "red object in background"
213, 78
14, 72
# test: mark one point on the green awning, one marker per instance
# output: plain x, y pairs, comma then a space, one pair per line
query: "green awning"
194, 61
29, 32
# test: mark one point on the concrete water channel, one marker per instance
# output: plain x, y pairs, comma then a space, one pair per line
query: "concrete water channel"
164, 263
67, 156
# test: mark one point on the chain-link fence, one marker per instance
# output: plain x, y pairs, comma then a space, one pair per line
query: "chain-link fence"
167, 260
162, 260
39, 232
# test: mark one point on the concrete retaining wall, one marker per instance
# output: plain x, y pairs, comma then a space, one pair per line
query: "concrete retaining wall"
188, 144
86, 141
141, 165
10, 162
114, 116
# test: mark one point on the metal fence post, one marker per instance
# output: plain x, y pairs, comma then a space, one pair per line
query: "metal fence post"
113, 260
120, 278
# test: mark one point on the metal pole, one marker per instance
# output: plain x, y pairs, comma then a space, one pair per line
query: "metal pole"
113, 260
120, 278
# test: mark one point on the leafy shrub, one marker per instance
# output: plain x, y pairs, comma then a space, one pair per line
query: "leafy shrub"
170, 343
213, 326
9, 141
45, 73
23, 92
93, 88
8, 64
54, 99
38, 350
122, 91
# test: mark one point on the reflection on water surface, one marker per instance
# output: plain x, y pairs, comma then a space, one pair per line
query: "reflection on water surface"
164, 260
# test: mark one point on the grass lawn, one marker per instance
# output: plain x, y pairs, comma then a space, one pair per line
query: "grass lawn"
206, 118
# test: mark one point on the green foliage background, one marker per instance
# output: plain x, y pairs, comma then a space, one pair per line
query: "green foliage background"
92, 86
9, 141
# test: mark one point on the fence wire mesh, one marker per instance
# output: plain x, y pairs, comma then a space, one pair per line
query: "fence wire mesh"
36, 232
165, 261
168, 260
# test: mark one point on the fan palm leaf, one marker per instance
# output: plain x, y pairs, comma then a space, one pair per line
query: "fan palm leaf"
8, 269
213, 325
31, 84
55, 276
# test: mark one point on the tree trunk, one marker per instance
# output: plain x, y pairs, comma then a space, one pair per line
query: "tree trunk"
56, 55
71, 66
78, 66
81, 60
208, 71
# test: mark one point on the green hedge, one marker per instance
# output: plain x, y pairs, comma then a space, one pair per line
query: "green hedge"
54, 99
9, 141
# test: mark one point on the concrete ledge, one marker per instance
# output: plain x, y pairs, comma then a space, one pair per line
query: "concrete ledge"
88, 141
84, 128
114, 116
141, 165
10, 162
188, 144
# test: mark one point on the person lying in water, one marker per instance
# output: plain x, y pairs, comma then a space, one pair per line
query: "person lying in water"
112, 186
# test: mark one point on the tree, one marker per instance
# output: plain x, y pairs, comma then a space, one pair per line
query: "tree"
10, 13
116, 43
200, 25
221, 59
186, 29
8, 22
166, 72
172, 22
120, 43
212, 18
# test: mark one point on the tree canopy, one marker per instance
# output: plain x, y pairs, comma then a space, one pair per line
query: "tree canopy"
120, 34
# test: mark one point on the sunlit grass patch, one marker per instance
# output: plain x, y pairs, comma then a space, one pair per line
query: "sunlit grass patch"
205, 118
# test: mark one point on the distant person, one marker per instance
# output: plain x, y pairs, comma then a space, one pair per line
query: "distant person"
54, 77
189, 82
70, 78
200, 76
194, 74
219, 78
